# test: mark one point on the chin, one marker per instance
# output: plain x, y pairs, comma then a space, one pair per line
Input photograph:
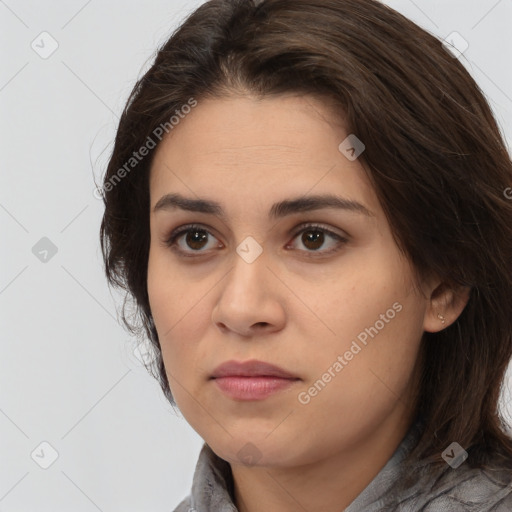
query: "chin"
255, 450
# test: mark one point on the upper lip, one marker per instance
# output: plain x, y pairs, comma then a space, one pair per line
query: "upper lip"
251, 368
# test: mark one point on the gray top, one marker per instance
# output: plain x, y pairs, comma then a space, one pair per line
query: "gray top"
460, 489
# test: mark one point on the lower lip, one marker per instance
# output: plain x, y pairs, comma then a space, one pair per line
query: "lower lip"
252, 388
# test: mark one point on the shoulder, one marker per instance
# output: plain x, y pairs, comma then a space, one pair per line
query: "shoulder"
184, 506
469, 490
479, 490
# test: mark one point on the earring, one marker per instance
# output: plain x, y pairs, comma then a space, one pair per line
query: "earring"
441, 317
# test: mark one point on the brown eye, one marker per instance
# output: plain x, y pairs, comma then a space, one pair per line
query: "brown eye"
314, 237
195, 240
192, 240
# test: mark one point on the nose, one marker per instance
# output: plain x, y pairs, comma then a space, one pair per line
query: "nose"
249, 301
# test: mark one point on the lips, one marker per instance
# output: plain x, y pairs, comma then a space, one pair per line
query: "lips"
251, 380
252, 368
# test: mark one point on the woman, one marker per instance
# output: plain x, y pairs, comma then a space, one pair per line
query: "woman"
307, 202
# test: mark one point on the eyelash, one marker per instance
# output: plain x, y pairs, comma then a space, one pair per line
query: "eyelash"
171, 240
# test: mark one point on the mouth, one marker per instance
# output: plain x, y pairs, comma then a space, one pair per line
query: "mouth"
252, 368
251, 380
252, 388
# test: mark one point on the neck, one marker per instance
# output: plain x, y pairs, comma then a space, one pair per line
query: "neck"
325, 485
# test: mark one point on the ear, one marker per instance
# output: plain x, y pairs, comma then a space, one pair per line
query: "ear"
446, 303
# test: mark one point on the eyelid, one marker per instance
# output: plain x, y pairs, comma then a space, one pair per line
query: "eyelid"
322, 227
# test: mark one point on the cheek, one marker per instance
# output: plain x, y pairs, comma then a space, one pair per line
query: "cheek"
166, 300
171, 296
180, 310
357, 298
374, 379
162, 296
376, 324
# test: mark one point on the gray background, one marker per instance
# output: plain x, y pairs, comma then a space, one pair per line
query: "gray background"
68, 372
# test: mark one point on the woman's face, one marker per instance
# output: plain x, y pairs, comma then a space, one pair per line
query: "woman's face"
342, 315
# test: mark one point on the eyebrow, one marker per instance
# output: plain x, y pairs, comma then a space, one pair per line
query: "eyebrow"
278, 210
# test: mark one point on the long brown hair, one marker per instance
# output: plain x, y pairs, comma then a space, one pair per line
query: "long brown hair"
434, 155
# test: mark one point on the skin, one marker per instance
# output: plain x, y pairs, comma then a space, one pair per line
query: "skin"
294, 306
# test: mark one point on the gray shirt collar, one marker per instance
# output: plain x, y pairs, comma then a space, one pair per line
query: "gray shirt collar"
464, 489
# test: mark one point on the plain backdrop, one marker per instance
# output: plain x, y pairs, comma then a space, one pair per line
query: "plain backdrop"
74, 396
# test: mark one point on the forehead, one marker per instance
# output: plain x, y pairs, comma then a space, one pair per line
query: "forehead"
256, 152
